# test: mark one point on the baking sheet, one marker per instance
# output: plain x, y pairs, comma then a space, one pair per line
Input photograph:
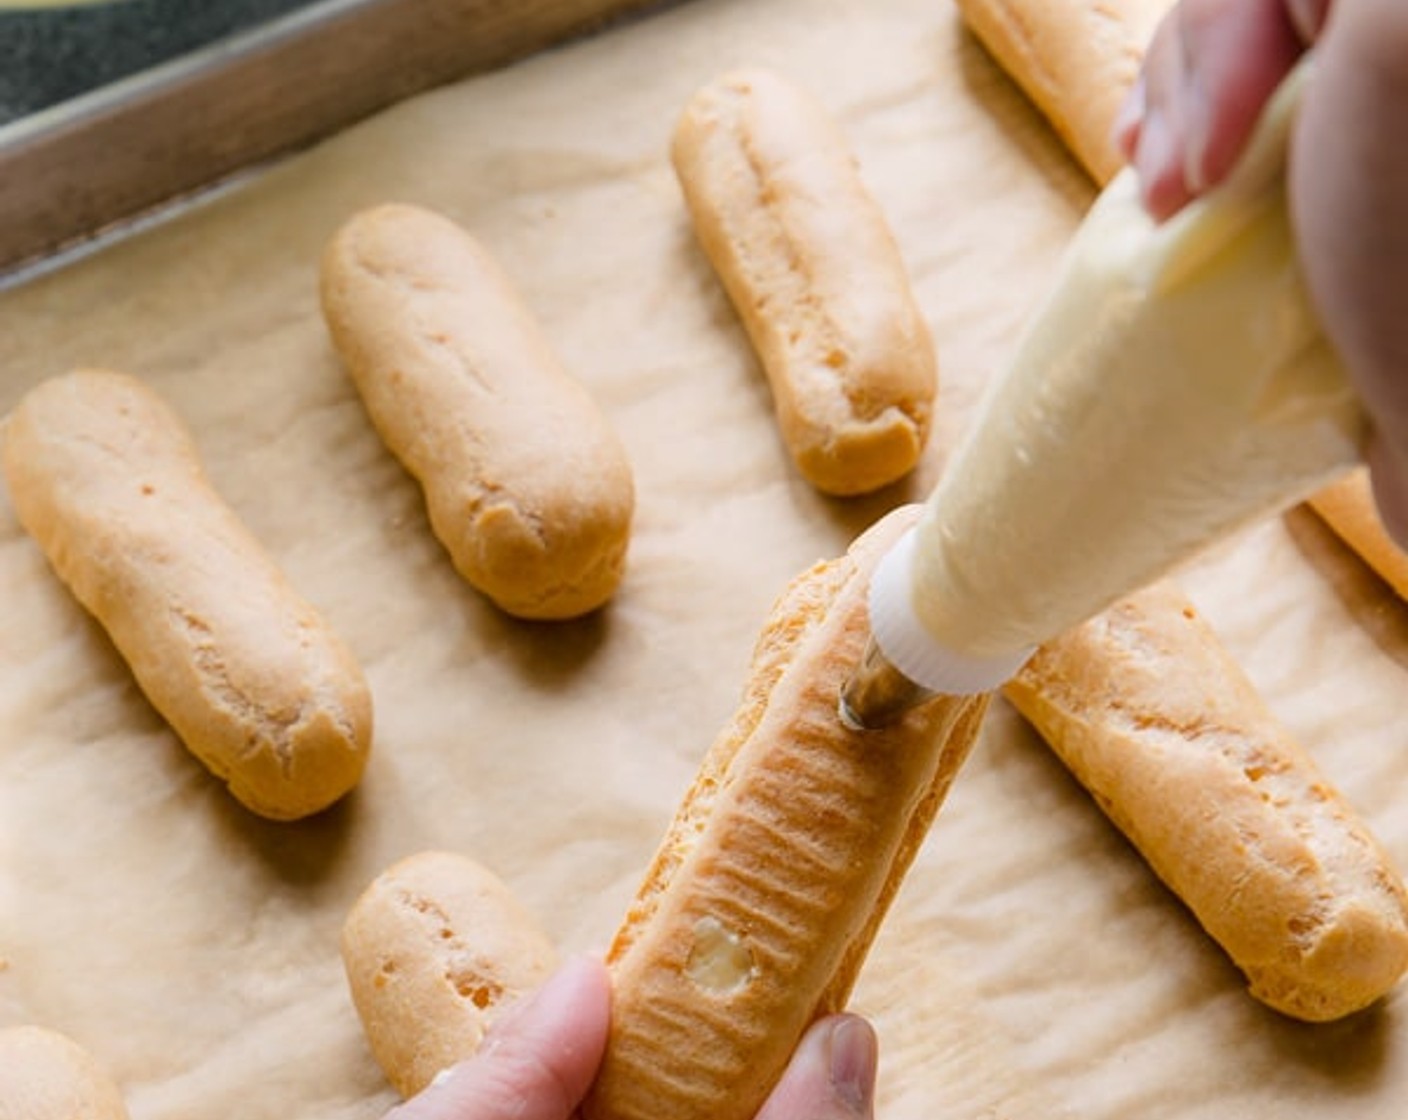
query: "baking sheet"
135, 144
1031, 966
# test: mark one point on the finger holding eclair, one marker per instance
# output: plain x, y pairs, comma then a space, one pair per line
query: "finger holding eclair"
526, 483
753, 920
813, 270
46, 1076
435, 949
463, 1007
769, 886
255, 683
1155, 718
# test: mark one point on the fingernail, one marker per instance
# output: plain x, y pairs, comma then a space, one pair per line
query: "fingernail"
442, 1077
1155, 155
428, 1098
1129, 118
1197, 128
1308, 17
852, 1060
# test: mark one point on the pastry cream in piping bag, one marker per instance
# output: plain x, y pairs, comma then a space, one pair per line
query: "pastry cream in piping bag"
1175, 386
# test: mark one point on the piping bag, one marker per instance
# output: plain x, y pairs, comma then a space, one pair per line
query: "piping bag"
1174, 387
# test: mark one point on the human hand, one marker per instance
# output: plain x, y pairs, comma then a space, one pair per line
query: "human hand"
538, 1062
1210, 69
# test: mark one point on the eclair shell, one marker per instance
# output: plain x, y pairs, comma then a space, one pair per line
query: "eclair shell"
526, 483
434, 949
1348, 508
1156, 719
46, 1076
813, 270
1076, 61
256, 684
763, 899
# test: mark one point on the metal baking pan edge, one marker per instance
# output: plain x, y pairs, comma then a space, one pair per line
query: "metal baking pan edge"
101, 165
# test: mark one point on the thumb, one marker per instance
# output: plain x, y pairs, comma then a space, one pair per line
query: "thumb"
1388, 471
536, 1063
832, 1074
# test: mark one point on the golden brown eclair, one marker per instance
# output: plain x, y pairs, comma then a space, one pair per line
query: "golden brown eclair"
434, 948
814, 273
1075, 59
1154, 717
107, 480
1348, 508
45, 1076
526, 484
769, 886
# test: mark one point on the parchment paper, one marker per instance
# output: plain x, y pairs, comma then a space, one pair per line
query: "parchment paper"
1032, 967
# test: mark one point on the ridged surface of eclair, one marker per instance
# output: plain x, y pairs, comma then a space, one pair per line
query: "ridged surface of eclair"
763, 898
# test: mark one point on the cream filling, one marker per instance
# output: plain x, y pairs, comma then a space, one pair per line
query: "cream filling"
719, 960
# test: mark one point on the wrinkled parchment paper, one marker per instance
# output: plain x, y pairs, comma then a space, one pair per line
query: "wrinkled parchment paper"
1031, 967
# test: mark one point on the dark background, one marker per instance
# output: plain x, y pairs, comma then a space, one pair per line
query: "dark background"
48, 56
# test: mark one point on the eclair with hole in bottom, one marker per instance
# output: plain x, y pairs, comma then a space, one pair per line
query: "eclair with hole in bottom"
816, 277
434, 949
769, 886
105, 477
526, 483
1150, 712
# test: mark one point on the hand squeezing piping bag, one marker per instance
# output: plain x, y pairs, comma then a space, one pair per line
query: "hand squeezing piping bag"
1174, 387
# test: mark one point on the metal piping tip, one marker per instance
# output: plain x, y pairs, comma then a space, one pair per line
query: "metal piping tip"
877, 694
